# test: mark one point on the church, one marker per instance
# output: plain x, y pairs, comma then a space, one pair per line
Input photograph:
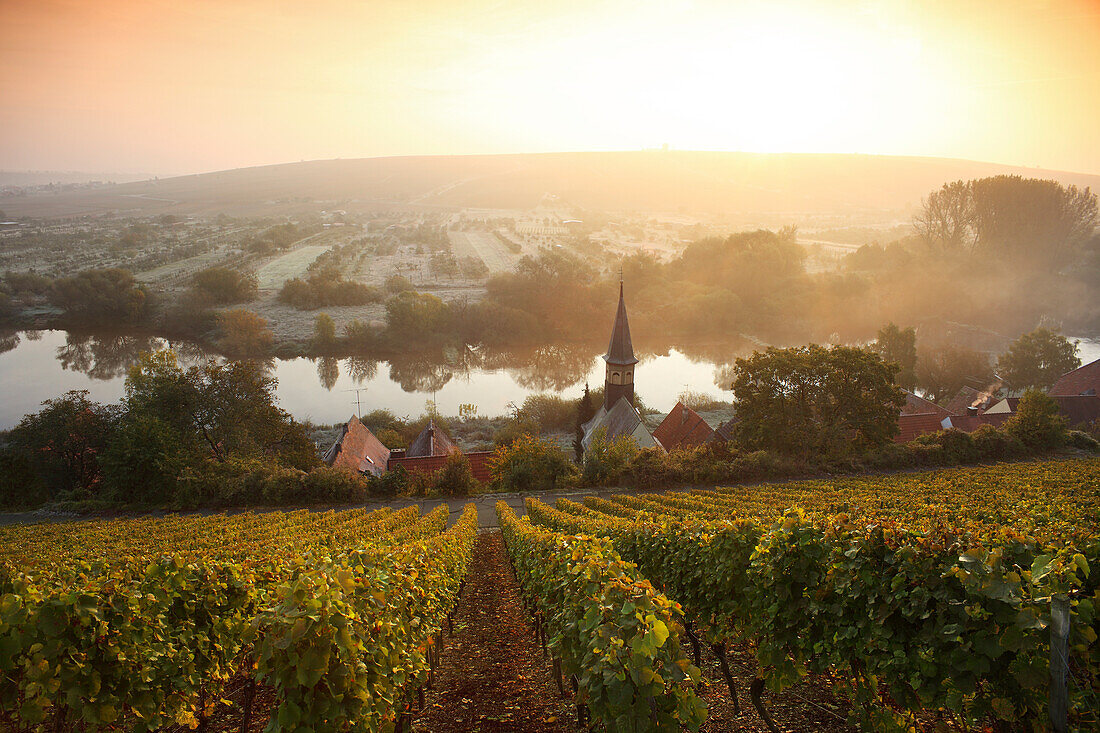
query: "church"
617, 416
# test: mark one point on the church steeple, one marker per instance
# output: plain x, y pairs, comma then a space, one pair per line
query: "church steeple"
619, 359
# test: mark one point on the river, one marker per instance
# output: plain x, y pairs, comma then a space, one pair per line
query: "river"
39, 365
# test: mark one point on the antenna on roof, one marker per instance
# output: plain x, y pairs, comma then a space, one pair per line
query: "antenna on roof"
358, 402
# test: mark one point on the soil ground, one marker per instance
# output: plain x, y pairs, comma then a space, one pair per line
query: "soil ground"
493, 675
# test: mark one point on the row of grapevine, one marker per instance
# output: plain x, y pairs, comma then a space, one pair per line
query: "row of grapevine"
944, 606
114, 628
611, 631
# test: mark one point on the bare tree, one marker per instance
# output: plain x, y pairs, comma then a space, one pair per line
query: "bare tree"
946, 218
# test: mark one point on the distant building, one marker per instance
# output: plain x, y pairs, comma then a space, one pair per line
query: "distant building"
682, 428
1083, 381
617, 416
429, 450
358, 450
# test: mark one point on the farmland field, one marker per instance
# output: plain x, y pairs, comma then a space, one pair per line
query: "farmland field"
290, 265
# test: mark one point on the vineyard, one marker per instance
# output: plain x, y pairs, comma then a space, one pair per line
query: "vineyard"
922, 601
921, 595
146, 623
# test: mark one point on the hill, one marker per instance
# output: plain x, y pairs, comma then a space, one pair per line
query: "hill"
709, 183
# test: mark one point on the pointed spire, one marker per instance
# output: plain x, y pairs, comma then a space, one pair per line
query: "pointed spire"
620, 350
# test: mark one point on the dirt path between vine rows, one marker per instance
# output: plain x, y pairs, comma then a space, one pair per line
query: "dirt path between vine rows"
492, 675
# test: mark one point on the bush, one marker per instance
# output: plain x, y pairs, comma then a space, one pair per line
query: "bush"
995, 445
513, 430
1037, 422
223, 286
327, 485
606, 462
394, 482
955, 446
550, 412
1082, 440
530, 464
455, 478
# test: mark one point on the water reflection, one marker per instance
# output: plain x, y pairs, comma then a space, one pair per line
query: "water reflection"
8, 340
36, 366
328, 371
361, 368
104, 356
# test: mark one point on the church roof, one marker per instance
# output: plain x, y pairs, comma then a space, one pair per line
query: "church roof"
620, 350
431, 442
622, 419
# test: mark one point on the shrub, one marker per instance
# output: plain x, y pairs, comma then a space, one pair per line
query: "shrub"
956, 446
1082, 440
549, 411
283, 486
327, 485
994, 444
606, 461
530, 464
398, 284
515, 429
652, 468
394, 482
1037, 423
455, 478
223, 285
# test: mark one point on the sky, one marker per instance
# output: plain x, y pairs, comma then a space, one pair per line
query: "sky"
182, 86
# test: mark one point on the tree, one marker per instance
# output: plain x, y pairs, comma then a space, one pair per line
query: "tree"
1037, 422
218, 410
109, 297
63, 443
945, 369
585, 412
946, 218
899, 346
825, 401
1031, 219
1038, 359
417, 317
144, 460
244, 333
324, 333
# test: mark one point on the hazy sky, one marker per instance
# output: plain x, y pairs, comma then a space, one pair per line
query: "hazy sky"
179, 86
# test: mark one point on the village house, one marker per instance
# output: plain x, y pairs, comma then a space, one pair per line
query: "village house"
358, 450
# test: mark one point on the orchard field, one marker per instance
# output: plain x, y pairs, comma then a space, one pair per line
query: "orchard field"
918, 601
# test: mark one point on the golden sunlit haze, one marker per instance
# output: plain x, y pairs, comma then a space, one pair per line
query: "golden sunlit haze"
174, 87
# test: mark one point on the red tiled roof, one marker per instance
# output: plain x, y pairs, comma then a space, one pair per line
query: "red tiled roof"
358, 450
479, 464
966, 397
912, 426
970, 423
682, 428
1079, 409
915, 405
1078, 382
